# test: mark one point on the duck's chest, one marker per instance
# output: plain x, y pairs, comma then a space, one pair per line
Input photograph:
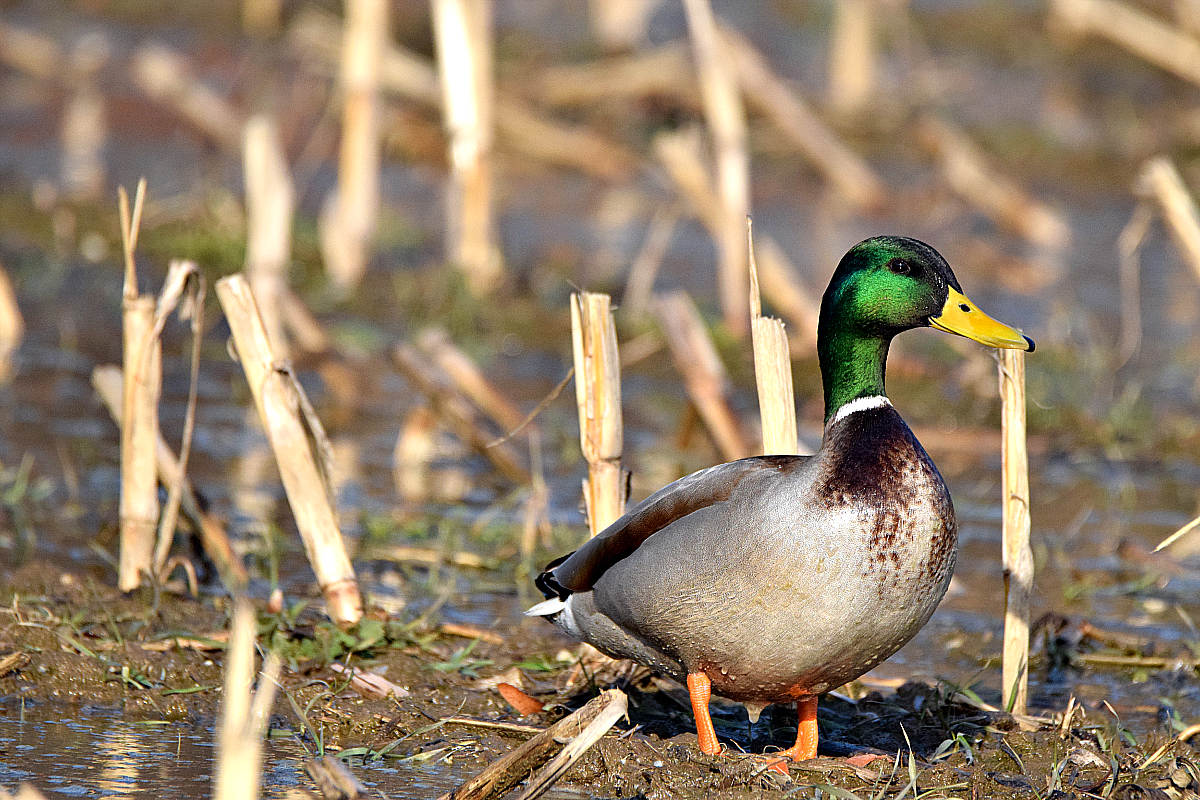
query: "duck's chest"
902, 529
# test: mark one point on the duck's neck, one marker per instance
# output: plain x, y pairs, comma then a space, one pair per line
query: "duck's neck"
852, 366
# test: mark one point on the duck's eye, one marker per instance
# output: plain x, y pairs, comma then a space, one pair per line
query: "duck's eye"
900, 266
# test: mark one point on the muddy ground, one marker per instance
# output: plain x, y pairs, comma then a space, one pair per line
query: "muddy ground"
69, 638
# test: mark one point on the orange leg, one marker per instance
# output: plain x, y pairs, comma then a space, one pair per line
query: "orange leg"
700, 691
806, 736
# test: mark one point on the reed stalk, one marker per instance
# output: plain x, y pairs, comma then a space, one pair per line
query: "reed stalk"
348, 219
598, 400
166, 77
704, 376
261, 17
726, 120
1018, 556
142, 359
772, 370
643, 271
12, 325
244, 712
463, 31
1160, 181
620, 24
784, 289
270, 203
85, 121
967, 172
108, 382
852, 56
680, 153
1146, 37
457, 412
298, 442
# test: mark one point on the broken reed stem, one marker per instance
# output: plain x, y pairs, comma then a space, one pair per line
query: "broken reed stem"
270, 202
1018, 556
771, 96
107, 381
167, 78
463, 31
142, 359
244, 712
510, 769
454, 410
772, 369
297, 439
967, 172
704, 376
852, 56
348, 220
180, 276
84, 120
1160, 180
726, 119
1141, 34
574, 749
12, 325
598, 399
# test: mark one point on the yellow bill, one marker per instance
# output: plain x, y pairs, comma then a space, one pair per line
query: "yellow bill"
963, 317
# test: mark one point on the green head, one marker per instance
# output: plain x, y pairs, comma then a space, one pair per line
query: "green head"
885, 285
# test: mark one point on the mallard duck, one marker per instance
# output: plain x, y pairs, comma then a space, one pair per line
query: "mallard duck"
777, 578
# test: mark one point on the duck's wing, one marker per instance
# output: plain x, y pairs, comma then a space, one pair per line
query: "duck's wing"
579, 571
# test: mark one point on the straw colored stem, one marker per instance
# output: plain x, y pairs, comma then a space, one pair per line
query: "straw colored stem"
772, 371
783, 288
270, 200
852, 56
348, 220
1018, 556
1146, 37
261, 17
510, 769
726, 119
165, 76
84, 121
30, 52
456, 412
469, 379
12, 325
544, 778
107, 381
598, 399
966, 171
280, 403
620, 24
696, 358
462, 29
1160, 180
139, 433
679, 152
244, 713
665, 70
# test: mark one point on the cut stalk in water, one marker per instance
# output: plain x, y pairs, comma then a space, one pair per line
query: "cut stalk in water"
12, 325
1141, 34
348, 220
726, 119
84, 121
1018, 556
298, 441
598, 399
166, 77
967, 172
704, 376
1160, 180
244, 712
772, 370
270, 201
142, 359
852, 56
107, 381
463, 30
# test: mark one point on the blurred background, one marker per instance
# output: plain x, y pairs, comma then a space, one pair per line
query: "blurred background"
406, 180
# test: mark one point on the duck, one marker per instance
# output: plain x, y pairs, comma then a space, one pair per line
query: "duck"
777, 578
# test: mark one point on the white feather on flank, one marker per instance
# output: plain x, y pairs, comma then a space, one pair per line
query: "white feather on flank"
547, 608
860, 404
